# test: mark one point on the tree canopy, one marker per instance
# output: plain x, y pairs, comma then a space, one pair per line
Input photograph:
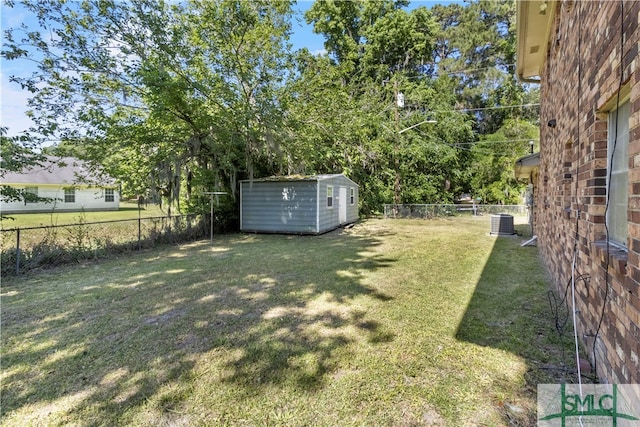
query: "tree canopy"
178, 98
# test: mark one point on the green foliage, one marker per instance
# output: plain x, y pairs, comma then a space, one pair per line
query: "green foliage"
494, 158
161, 90
16, 155
176, 99
399, 41
476, 45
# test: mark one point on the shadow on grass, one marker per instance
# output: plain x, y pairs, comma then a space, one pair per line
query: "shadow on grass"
88, 344
509, 311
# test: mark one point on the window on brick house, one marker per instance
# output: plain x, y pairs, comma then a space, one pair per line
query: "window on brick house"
618, 163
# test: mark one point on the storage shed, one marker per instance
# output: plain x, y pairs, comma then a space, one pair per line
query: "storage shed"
298, 204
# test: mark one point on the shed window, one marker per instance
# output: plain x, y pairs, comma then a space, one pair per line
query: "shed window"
30, 195
330, 196
352, 196
618, 163
108, 195
69, 195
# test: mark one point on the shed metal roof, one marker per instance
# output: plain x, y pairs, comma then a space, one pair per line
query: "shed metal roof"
60, 171
280, 178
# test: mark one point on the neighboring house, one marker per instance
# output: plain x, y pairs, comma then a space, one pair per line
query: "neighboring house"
68, 184
584, 54
298, 204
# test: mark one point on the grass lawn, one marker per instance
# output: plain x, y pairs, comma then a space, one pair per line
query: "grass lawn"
402, 323
127, 210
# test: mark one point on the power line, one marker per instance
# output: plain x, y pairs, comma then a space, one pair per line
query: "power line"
460, 145
465, 110
471, 70
492, 142
467, 71
497, 107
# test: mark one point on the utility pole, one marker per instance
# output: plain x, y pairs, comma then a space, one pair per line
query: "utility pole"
396, 152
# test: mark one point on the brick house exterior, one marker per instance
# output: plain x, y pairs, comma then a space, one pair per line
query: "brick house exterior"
584, 54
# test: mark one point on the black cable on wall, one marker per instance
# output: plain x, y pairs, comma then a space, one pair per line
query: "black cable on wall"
606, 209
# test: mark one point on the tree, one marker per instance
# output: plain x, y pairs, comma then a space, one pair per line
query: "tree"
494, 158
377, 49
175, 99
17, 155
187, 90
476, 47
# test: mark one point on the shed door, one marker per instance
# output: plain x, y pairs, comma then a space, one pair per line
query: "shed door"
342, 205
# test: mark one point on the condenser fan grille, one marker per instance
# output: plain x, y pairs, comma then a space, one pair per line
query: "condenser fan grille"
502, 224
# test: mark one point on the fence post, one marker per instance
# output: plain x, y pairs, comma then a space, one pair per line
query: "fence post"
139, 233
17, 251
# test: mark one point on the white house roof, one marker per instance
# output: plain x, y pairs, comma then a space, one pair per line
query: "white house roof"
60, 171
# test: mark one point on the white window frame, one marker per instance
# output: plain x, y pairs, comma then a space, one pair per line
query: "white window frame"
69, 195
109, 195
352, 195
618, 174
31, 190
329, 196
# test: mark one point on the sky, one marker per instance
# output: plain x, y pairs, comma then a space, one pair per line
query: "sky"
13, 100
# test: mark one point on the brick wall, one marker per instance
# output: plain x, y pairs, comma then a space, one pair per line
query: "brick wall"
580, 81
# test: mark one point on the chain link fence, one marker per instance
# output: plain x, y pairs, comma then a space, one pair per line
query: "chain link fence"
28, 248
427, 211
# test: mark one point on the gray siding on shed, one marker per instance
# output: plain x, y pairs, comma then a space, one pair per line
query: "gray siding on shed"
342, 212
279, 206
297, 205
